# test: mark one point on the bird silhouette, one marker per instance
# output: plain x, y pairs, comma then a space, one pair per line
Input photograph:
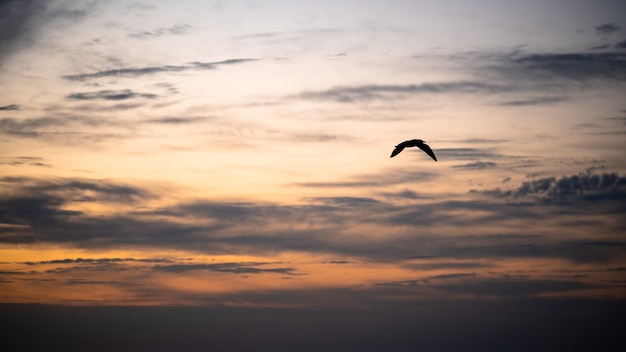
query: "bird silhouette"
414, 143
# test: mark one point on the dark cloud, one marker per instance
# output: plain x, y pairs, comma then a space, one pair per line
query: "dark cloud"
126, 72
346, 201
10, 107
25, 161
427, 280
439, 265
110, 95
104, 108
582, 67
96, 282
177, 29
621, 45
315, 137
22, 21
233, 268
374, 92
604, 243
467, 153
393, 177
607, 28
99, 261
600, 47
535, 101
480, 227
172, 265
479, 165
135, 72
13, 126
338, 262
406, 194
585, 187
34, 211
503, 287
176, 120
17, 19
481, 141
224, 62
549, 73
74, 190
63, 128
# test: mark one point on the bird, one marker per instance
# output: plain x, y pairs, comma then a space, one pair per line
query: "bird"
414, 143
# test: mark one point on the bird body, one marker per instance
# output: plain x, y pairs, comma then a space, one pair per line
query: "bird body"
414, 143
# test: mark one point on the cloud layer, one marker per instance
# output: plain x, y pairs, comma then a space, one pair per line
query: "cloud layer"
42, 212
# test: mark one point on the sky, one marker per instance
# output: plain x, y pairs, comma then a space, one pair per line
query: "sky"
224, 162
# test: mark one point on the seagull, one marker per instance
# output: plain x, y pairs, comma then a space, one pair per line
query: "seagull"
414, 143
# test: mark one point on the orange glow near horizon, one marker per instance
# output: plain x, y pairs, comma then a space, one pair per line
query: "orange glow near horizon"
183, 278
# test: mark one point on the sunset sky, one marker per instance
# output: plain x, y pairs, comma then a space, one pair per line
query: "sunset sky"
234, 155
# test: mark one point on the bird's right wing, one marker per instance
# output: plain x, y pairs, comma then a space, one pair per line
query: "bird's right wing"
427, 150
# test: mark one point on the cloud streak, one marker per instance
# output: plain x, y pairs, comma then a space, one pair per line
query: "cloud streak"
375, 92
65, 128
141, 71
177, 29
578, 67
607, 28
535, 101
123, 94
25, 161
232, 268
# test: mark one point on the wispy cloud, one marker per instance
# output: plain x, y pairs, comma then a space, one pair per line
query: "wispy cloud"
393, 177
468, 153
290, 36
427, 280
177, 29
25, 161
548, 72
607, 28
600, 47
141, 71
99, 261
233, 268
110, 95
78, 189
177, 120
535, 101
65, 128
373, 92
581, 67
10, 107
479, 165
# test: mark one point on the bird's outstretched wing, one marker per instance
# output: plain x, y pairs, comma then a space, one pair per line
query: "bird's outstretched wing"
427, 150
397, 150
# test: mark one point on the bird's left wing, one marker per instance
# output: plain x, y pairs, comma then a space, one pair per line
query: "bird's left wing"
397, 150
